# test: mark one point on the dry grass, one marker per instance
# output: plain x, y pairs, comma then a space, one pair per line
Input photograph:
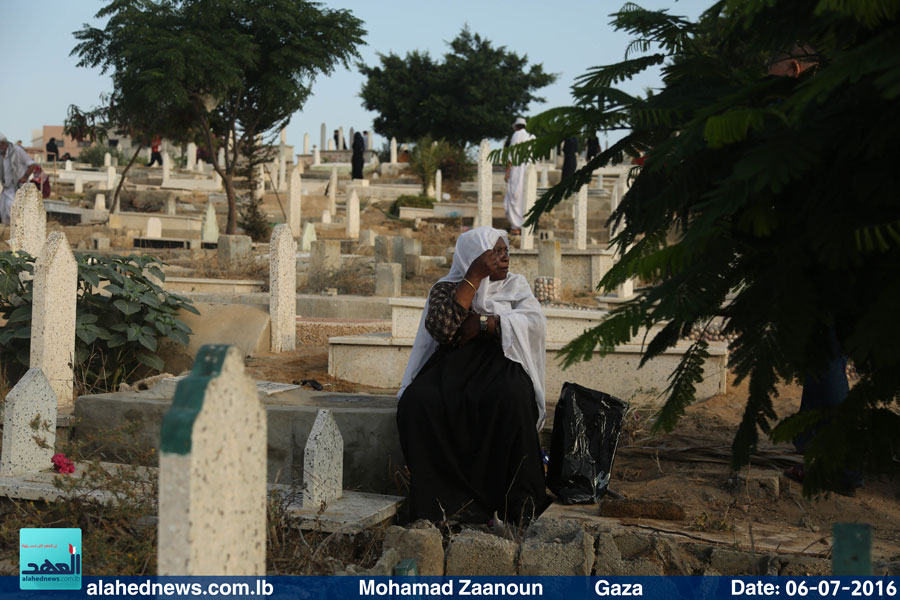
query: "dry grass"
208, 266
355, 276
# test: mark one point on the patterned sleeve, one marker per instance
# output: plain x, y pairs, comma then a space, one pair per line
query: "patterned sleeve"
445, 315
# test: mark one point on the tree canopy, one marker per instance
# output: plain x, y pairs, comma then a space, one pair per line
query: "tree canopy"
232, 68
476, 92
769, 202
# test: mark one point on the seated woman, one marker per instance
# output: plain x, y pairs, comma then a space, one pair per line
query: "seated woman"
472, 398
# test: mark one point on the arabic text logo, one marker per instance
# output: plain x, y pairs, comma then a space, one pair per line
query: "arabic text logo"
49, 559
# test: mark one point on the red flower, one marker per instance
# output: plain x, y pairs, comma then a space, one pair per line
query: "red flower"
61, 464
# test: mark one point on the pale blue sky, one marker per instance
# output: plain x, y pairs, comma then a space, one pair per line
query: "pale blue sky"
566, 36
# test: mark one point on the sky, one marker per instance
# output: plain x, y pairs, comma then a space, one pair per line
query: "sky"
567, 37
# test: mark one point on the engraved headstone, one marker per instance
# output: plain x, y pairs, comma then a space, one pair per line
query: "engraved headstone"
29, 426
484, 213
213, 486
307, 237
28, 221
323, 463
353, 216
209, 231
53, 316
283, 289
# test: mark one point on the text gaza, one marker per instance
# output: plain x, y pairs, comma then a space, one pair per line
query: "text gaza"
605, 588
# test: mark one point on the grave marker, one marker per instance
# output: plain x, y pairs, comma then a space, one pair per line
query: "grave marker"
107, 159
308, 237
484, 214
213, 486
340, 141
438, 183
191, 156
283, 288
581, 200
79, 184
323, 463
28, 221
324, 255
99, 202
326, 216
317, 158
110, 178
220, 156
68, 165
294, 201
332, 192
393, 150
209, 231
53, 316
549, 259
305, 143
26, 449
171, 207
330, 144
388, 279
324, 135
369, 140
545, 176
353, 216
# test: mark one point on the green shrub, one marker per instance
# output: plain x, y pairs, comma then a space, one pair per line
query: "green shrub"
456, 164
253, 220
426, 158
116, 332
95, 154
412, 201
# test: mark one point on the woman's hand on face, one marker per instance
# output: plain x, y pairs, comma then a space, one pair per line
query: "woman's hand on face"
484, 265
469, 328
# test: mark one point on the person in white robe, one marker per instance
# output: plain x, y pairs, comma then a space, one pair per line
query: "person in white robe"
514, 200
15, 169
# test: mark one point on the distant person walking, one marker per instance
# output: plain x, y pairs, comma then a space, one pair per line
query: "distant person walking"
514, 200
593, 147
15, 169
155, 156
356, 161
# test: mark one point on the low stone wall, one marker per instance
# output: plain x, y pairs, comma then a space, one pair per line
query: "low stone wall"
554, 546
315, 332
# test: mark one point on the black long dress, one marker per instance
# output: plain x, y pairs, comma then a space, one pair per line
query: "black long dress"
570, 160
356, 160
467, 430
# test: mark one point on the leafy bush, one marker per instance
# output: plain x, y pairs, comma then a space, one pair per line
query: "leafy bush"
95, 154
353, 277
456, 164
121, 315
412, 201
425, 159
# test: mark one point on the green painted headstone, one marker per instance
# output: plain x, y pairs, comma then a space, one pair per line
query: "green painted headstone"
177, 424
851, 552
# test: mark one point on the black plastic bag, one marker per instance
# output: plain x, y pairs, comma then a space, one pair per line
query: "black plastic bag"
586, 431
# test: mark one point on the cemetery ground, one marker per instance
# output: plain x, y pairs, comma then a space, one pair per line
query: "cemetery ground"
684, 510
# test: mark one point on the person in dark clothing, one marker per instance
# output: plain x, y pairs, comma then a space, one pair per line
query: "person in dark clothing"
52, 151
570, 159
155, 156
472, 401
593, 147
356, 161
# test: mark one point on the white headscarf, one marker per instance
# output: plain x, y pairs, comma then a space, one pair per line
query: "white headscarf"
522, 323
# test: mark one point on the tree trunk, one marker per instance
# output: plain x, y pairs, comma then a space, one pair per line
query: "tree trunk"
114, 206
231, 226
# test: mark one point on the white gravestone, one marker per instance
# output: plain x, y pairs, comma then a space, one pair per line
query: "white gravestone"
484, 214
369, 140
99, 202
527, 242
107, 159
220, 157
323, 463
295, 198
79, 184
191, 156
283, 289
308, 237
68, 165
326, 216
393, 150
340, 141
110, 178
545, 176
324, 136
209, 231
581, 200
350, 137
212, 487
53, 317
26, 449
331, 143
28, 221
154, 228
305, 143
353, 216
283, 137
438, 184
317, 158
332, 192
